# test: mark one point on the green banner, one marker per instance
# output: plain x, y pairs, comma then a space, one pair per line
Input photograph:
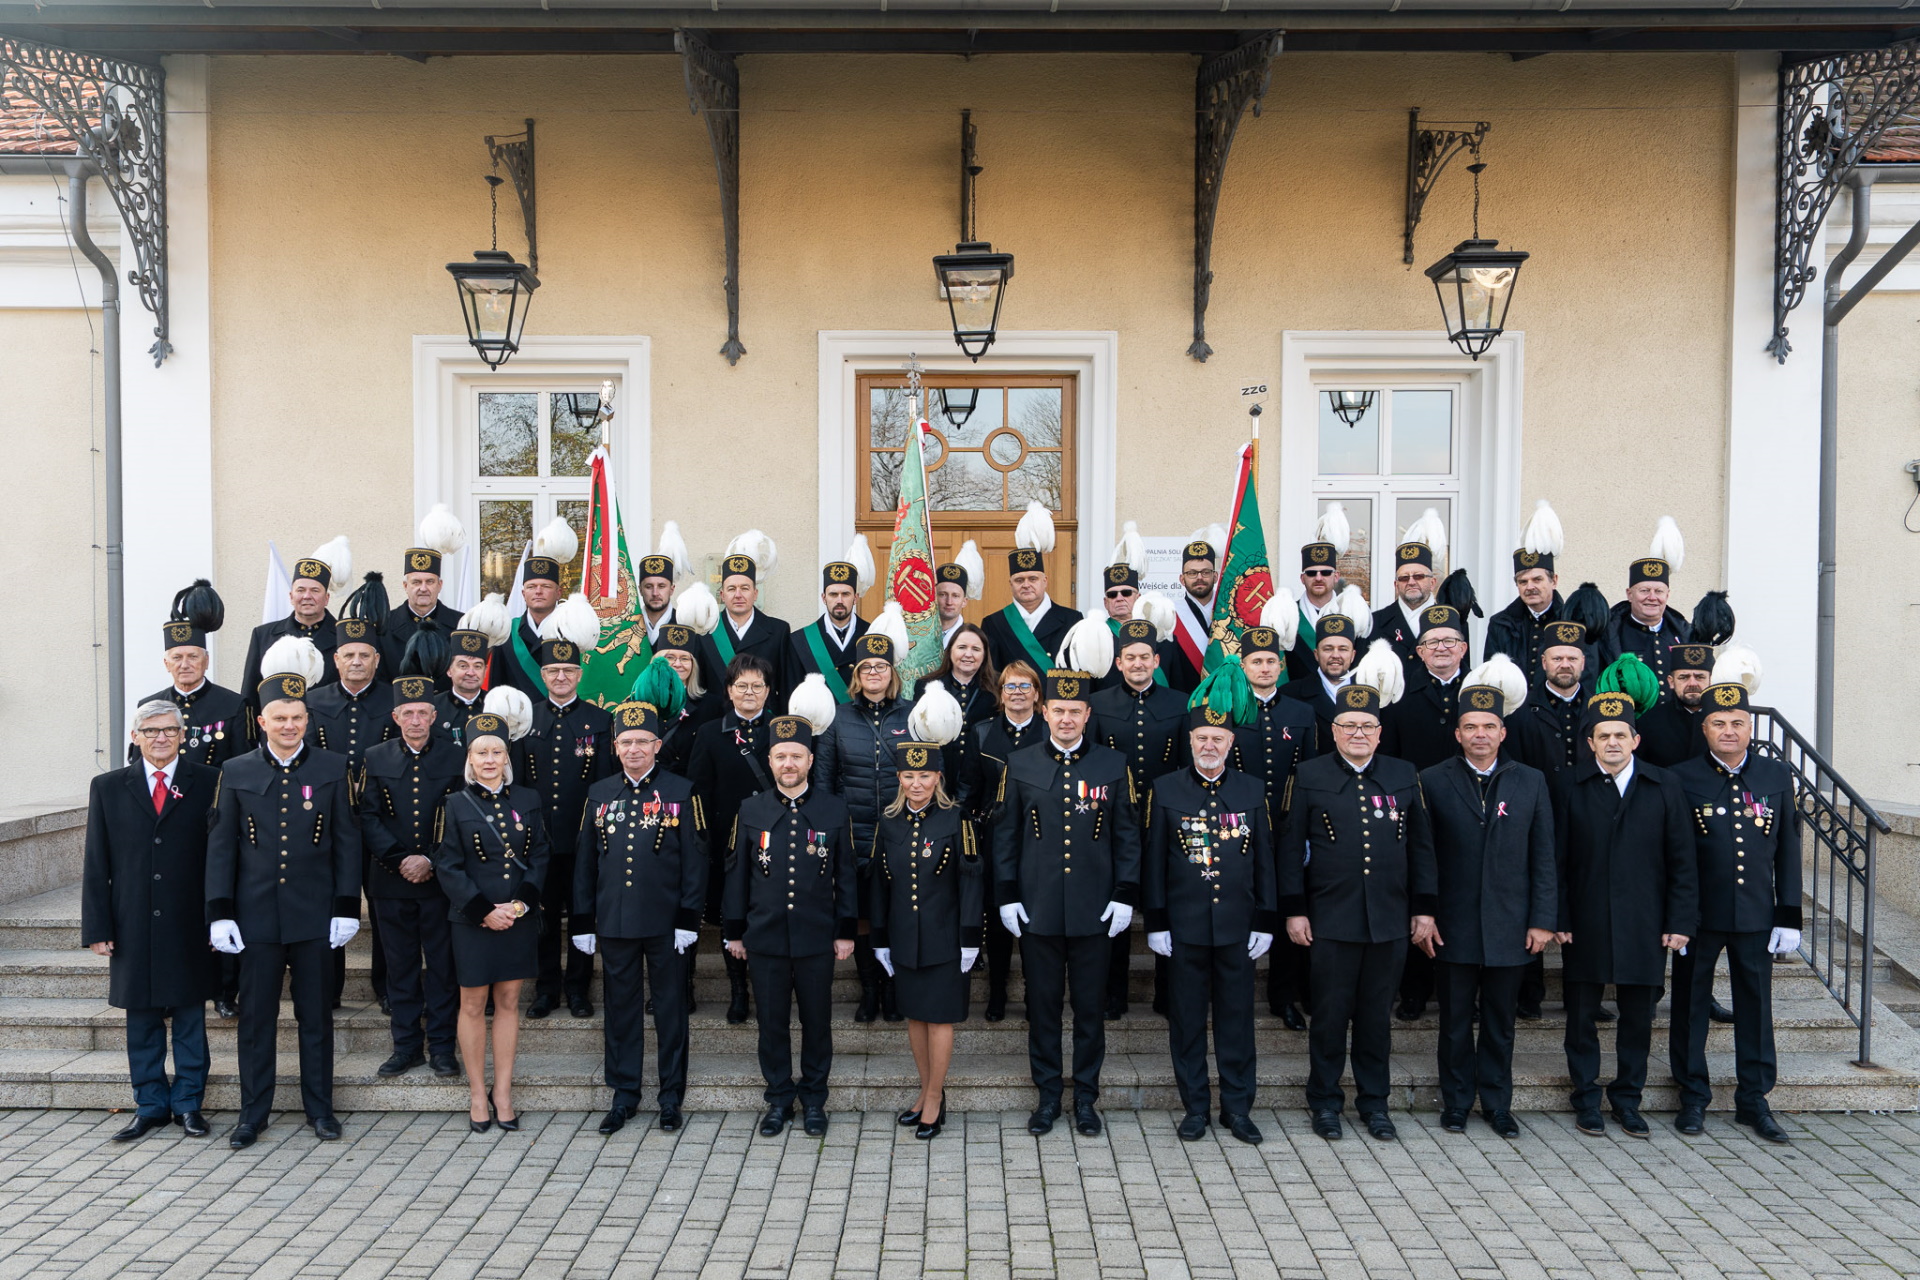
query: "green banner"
608, 671
910, 565
1246, 580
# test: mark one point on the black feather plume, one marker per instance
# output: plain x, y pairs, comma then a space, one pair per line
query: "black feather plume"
368, 601
201, 605
1588, 608
1713, 619
427, 651
1457, 591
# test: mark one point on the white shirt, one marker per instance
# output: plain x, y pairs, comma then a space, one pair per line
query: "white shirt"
1485, 773
1033, 619
1730, 768
946, 636
739, 629
188, 693
653, 628
1332, 688
1539, 613
1564, 697
165, 775
562, 706
842, 636
1622, 778
1413, 615
1314, 613
1023, 724
1268, 696
1066, 748
273, 755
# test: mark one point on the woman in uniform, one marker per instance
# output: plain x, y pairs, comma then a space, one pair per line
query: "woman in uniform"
927, 905
492, 863
968, 674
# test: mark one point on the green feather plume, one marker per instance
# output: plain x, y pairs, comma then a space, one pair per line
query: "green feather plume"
1226, 690
659, 684
1632, 677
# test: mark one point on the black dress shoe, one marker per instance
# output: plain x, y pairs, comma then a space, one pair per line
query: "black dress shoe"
616, 1119
1453, 1120
1763, 1124
928, 1130
1292, 1018
1631, 1122
326, 1128
1503, 1123
1086, 1119
140, 1127
1590, 1123
814, 1120
386, 1007
1040, 1123
775, 1120
580, 1007
1410, 1010
444, 1065
508, 1124
1603, 1014
226, 1008
1116, 1009
1242, 1127
243, 1136
1527, 1013
996, 1005
542, 1005
1380, 1125
1193, 1127
401, 1062
1691, 1121
1327, 1125
1719, 1012
669, 1120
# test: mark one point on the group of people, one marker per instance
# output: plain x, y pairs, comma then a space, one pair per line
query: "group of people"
1387, 823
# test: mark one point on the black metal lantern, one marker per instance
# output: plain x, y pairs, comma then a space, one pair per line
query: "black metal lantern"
1475, 284
1351, 406
957, 404
974, 279
494, 294
584, 406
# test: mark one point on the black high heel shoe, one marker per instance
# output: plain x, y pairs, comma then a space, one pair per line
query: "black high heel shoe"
510, 1124
926, 1131
480, 1126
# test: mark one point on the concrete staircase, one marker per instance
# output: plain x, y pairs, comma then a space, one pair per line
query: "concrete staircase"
61, 1045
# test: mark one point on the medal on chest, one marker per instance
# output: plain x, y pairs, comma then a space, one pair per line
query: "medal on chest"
766, 852
306, 797
1197, 835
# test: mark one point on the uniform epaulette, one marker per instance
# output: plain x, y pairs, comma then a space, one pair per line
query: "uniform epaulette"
1146, 811
1286, 797
699, 814
968, 849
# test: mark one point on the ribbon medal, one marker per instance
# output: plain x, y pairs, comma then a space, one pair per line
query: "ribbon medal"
766, 852
306, 797
1500, 810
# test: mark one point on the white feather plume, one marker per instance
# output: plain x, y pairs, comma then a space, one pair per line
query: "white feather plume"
1353, 603
695, 607
1383, 670
968, 558
1283, 615
813, 702
1668, 545
757, 547
513, 706
573, 619
1333, 528
441, 530
1736, 662
674, 548
1088, 647
1543, 536
337, 555
293, 656
557, 541
936, 716
860, 556
892, 623
1151, 606
1131, 550
1214, 535
490, 618
1499, 672
1431, 530
1035, 530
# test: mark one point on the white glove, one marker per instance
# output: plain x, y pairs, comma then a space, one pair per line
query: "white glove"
584, 943
224, 936
885, 956
1161, 944
1258, 945
1012, 916
1783, 941
684, 938
340, 931
967, 956
1121, 915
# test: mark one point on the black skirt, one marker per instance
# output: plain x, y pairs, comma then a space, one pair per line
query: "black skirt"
482, 956
935, 993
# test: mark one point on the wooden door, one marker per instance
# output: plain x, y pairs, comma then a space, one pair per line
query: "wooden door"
1015, 446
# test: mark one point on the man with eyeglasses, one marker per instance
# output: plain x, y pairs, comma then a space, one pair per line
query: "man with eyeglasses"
1319, 573
1400, 622
990, 744
1358, 883
1122, 589
1183, 654
1334, 651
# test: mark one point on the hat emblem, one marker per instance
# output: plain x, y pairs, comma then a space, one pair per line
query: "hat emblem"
676, 635
315, 569
738, 564
1136, 629
1198, 550
413, 687
564, 651
1611, 706
1067, 687
486, 722
1566, 632
180, 631
1334, 625
951, 573
1411, 551
1529, 558
1117, 573
878, 645
1259, 637
471, 641
916, 757
1215, 717
354, 628
840, 572
1320, 553
1437, 615
1727, 695
1025, 560
633, 716
784, 728
1694, 653
1356, 695
420, 561
1653, 568
1482, 699
654, 566
294, 686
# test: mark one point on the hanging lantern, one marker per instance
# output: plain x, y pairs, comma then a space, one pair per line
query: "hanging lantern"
974, 279
1475, 285
494, 294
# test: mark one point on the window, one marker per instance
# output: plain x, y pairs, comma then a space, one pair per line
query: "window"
1400, 459
529, 465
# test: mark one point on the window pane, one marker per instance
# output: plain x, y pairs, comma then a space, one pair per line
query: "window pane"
1356, 566
1036, 480
1345, 450
1035, 413
574, 512
571, 442
931, 448
883, 476
986, 416
506, 526
1422, 433
1005, 448
965, 483
1407, 510
887, 417
509, 433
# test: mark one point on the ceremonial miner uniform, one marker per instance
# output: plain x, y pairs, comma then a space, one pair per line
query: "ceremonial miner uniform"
990, 745
1012, 635
818, 647
1672, 731
218, 727
1626, 634
765, 636
401, 621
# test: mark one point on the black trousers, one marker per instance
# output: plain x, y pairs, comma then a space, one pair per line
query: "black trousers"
416, 938
1633, 1035
1289, 973
1533, 983
629, 968
1052, 967
565, 970
1353, 984
999, 943
1416, 977
154, 1094
263, 968
230, 978
779, 983
1485, 1068
1221, 979
1750, 966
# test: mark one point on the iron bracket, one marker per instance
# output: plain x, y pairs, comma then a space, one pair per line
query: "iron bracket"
1428, 151
713, 93
515, 152
1226, 85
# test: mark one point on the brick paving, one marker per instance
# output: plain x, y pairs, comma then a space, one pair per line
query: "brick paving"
416, 1195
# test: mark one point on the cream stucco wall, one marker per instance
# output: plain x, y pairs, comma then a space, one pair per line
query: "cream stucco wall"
341, 186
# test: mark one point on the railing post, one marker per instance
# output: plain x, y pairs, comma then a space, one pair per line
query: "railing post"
1866, 947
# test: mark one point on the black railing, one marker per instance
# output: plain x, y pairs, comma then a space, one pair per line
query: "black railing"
1838, 830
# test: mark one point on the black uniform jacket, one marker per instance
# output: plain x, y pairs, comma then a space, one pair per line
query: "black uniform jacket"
348, 723
322, 635
1312, 690
767, 638
400, 625
1671, 732
640, 862
1545, 732
1356, 854
1284, 734
1419, 727
493, 848
1624, 635
1066, 837
929, 890
1209, 860
1182, 675
853, 759
801, 661
1390, 624
1004, 648
1149, 729
284, 856
1628, 873
503, 664
219, 727
1746, 831
400, 795
1515, 632
676, 742
143, 886
791, 887
451, 713
568, 750
728, 764
977, 703
1494, 849
990, 745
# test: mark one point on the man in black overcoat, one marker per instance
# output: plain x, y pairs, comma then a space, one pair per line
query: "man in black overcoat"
745, 629
311, 619
1336, 646
143, 905
1031, 628
1670, 731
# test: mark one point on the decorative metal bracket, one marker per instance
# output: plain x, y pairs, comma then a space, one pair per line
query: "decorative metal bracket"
1428, 151
713, 92
515, 152
970, 168
1225, 86
116, 113
1832, 112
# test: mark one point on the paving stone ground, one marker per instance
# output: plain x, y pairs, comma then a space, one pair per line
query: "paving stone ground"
417, 1196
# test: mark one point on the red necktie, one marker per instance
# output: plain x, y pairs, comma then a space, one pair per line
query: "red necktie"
159, 791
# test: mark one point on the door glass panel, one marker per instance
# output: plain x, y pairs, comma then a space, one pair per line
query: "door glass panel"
1422, 433
1408, 510
888, 417
572, 443
1035, 413
965, 483
986, 418
932, 448
574, 512
1006, 449
1345, 450
1037, 479
883, 477
509, 433
1356, 566
506, 526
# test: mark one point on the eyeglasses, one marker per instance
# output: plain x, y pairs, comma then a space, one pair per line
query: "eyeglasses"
1121, 594
1357, 730
1016, 686
740, 686
169, 732
1316, 573
1438, 643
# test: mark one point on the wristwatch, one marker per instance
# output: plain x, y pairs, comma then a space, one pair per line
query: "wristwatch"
519, 908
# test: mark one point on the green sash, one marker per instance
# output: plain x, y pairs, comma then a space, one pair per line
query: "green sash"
1024, 634
1308, 630
817, 646
723, 640
1159, 675
528, 667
